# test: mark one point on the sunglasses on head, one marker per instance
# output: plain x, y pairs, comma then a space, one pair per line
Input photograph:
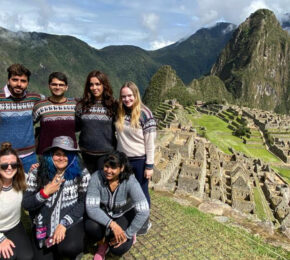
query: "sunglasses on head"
5, 166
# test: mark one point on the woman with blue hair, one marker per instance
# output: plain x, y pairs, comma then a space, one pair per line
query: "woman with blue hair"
55, 199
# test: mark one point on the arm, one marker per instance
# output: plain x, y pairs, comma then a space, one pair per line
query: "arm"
32, 198
93, 202
78, 119
36, 114
79, 208
149, 132
141, 206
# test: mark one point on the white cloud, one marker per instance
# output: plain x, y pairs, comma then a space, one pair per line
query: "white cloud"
150, 24
159, 44
150, 21
254, 5
209, 16
229, 28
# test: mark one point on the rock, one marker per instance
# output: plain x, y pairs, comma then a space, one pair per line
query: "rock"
216, 208
221, 219
285, 230
267, 227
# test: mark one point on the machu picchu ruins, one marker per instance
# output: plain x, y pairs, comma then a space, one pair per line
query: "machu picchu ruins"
187, 163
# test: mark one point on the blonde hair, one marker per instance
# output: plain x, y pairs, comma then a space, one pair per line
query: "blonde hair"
136, 108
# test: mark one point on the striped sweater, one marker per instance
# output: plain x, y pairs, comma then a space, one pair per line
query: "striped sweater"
69, 208
16, 123
138, 142
56, 119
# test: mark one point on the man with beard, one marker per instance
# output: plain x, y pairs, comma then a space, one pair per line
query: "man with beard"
16, 123
56, 113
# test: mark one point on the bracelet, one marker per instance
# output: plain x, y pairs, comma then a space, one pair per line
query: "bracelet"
42, 193
2, 238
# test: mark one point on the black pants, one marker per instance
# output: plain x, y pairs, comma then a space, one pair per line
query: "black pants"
138, 166
93, 162
70, 247
23, 248
96, 232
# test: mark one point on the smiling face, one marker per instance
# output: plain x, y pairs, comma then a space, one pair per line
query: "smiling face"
60, 159
127, 96
96, 88
57, 87
112, 174
9, 161
17, 85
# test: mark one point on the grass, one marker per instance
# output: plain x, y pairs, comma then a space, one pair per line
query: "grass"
261, 214
218, 133
216, 240
284, 172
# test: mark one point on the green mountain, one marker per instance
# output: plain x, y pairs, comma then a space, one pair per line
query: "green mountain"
165, 84
254, 65
44, 53
194, 57
252, 70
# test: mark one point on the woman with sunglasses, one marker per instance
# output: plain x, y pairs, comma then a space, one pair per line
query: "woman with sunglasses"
55, 199
14, 242
94, 119
116, 206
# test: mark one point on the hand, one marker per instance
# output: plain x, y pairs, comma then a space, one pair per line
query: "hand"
53, 186
6, 250
34, 166
148, 173
119, 235
59, 234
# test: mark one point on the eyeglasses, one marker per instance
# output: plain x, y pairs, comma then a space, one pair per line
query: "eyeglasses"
56, 84
5, 166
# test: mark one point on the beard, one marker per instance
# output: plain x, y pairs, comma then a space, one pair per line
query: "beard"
16, 91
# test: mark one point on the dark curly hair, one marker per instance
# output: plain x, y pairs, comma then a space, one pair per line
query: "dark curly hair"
88, 98
18, 70
119, 159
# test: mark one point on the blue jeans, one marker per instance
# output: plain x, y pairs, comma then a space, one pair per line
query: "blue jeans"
27, 161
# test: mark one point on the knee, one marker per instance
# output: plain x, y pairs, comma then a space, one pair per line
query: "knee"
70, 251
29, 255
94, 230
119, 251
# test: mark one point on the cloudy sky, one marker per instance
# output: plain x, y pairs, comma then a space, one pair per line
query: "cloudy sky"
149, 24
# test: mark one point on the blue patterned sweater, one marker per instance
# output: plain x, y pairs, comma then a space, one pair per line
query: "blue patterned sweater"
16, 122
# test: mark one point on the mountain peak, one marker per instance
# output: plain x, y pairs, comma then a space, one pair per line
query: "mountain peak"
253, 64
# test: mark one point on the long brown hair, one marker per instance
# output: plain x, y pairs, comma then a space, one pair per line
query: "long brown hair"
88, 98
136, 109
18, 182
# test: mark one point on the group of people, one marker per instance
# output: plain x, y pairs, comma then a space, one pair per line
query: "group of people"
96, 186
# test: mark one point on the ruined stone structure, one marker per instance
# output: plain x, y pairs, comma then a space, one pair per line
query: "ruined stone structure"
187, 164
278, 126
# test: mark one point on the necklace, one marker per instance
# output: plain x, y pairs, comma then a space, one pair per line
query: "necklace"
7, 188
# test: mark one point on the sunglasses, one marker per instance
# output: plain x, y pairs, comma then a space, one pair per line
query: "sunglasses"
5, 166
